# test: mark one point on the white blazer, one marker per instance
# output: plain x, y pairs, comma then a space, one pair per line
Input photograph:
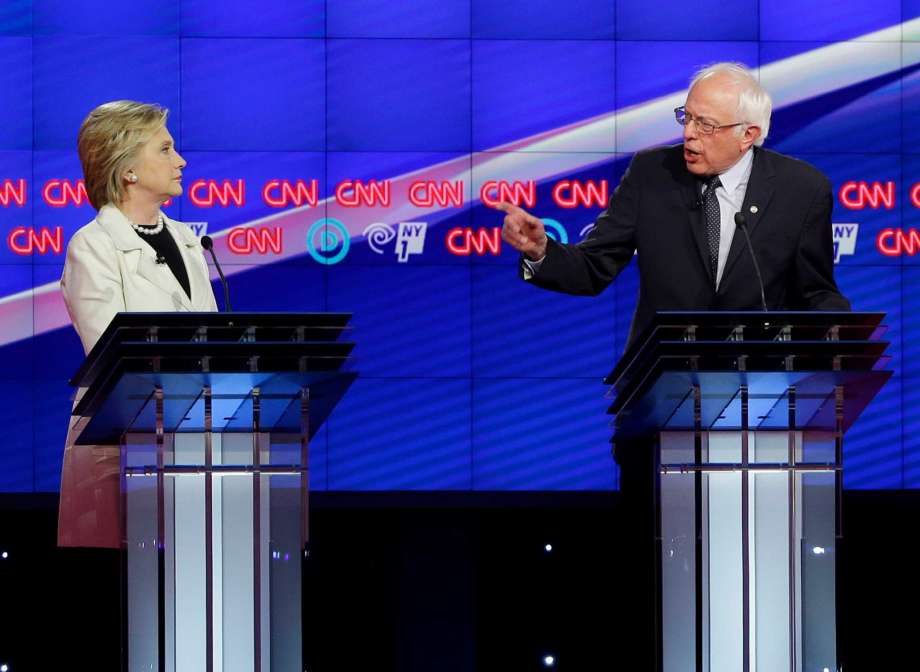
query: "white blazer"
110, 269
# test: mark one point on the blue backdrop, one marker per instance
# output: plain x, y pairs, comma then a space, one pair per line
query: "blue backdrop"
470, 379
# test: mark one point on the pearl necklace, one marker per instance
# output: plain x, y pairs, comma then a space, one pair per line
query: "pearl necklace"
150, 230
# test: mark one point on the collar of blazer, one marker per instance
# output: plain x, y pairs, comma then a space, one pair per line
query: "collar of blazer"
759, 193
118, 227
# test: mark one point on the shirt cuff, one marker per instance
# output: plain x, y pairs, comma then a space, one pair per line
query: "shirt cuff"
531, 268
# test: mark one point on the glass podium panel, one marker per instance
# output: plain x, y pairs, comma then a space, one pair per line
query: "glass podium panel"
747, 563
214, 551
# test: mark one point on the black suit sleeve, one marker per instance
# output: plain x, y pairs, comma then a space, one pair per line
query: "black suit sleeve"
814, 265
589, 266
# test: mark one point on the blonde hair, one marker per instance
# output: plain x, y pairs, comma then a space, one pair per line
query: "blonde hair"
109, 139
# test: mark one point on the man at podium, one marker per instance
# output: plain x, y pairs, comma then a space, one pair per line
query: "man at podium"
678, 209
132, 258
679, 206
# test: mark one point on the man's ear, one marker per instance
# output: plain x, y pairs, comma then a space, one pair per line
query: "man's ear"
751, 133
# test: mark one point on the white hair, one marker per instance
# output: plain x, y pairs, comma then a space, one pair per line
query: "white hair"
754, 103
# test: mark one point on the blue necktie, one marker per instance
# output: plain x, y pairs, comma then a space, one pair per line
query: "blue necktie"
713, 224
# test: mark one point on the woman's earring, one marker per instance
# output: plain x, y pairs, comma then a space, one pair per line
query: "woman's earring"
132, 178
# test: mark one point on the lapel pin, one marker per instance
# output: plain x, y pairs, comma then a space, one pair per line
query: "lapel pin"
753, 209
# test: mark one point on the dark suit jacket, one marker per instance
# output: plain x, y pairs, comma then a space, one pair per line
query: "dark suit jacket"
655, 210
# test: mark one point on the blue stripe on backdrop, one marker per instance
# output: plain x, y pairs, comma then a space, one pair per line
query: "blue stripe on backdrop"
525, 19
252, 18
102, 17
523, 87
409, 18
911, 112
247, 94
646, 70
865, 117
398, 95
839, 20
16, 17
541, 434
873, 446
16, 92
72, 74
520, 331
408, 322
404, 434
637, 20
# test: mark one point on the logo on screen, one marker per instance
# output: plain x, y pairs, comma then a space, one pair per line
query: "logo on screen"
60, 193
25, 240
555, 230
356, 194
410, 239
210, 193
13, 193
198, 228
426, 193
522, 194
897, 242
861, 195
285, 193
409, 236
574, 193
328, 241
258, 239
844, 240
464, 241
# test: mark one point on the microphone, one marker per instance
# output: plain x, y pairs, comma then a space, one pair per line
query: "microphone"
208, 244
741, 223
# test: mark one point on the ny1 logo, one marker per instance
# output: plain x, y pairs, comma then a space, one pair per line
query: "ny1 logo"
844, 240
409, 236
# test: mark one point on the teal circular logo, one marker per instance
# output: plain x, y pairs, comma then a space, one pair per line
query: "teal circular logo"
555, 230
328, 241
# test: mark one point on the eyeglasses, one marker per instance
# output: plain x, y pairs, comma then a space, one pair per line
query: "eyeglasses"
705, 126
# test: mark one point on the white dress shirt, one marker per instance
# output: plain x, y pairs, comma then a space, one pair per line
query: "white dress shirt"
731, 198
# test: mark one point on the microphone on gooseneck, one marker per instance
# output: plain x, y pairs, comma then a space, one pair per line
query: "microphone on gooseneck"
208, 244
741, 223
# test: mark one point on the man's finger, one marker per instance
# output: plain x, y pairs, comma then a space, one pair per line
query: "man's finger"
531, 222
508, 208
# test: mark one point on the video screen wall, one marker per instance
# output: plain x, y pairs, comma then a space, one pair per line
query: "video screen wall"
343, 155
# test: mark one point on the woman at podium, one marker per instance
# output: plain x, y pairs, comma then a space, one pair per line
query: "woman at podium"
132, 258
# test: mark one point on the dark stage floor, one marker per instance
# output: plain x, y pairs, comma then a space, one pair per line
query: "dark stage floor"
449, 582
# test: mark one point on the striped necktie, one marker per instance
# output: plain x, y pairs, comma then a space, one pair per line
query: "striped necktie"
713, 224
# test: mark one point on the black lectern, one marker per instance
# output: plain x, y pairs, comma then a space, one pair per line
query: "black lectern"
213, 413
748, 411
